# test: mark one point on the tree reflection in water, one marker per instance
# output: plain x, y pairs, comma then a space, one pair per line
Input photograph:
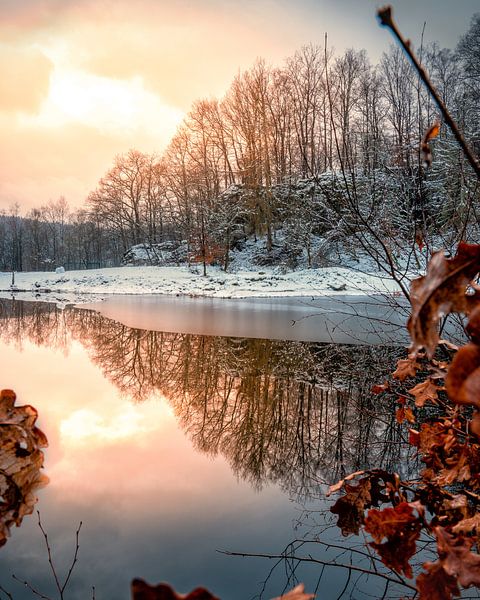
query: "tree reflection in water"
290, 413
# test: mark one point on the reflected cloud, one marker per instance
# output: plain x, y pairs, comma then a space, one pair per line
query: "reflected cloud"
87, 426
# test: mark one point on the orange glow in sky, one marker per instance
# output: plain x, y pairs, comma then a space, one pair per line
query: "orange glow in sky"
82, 81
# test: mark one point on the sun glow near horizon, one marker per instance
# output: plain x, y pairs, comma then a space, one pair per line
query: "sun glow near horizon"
118, 106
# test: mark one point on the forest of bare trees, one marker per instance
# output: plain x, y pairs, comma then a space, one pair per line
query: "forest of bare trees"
324, 147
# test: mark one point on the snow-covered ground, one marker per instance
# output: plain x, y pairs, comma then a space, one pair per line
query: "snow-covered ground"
79, 286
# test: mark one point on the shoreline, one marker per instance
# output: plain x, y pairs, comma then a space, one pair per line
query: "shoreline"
98, 284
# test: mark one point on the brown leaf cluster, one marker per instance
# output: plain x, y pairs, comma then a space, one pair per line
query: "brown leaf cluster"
457, 564
401, 528
350, 508
436, 583
463, 379
367, 492
163, 591
446, 288
445, 499
21, 461
448, 457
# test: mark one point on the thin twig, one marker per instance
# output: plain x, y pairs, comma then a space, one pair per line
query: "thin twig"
2, 589
49, 553
31, 588
60, 587
385, 18
75, 556
327, 563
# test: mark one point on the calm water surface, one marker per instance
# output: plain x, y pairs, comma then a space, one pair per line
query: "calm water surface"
171, 445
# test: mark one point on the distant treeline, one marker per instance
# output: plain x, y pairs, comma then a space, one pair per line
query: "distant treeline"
322, 146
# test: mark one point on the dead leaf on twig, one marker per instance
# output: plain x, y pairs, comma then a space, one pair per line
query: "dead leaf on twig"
431, 134
424, 391
463, 379
338, 486
163, 591
21, 461
446, 288
406, 367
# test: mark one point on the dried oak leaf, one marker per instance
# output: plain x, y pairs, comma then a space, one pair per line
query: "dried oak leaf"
380, 388
163, 591
441, 291
433, 436
469, 525
463, 379
414, 437
390, 522
424, 391
143, 591
338, 486
457, 468
456, 558
404, 413
451, 510
436, 584
401, 527
21, 461
431, 134
351, 507
473, 326
406, 367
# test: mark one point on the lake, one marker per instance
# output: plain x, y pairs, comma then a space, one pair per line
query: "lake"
181, 427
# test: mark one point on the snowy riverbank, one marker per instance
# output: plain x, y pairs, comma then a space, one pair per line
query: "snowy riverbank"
79, 286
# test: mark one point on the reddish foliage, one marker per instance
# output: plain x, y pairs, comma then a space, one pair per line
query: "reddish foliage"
143, 591
441, 291
350, 508
463, 379
389, 522
378, 389
456, 558
406, 367
445, 442
436, 584
401, 527
404, 413
424, 391
163, 591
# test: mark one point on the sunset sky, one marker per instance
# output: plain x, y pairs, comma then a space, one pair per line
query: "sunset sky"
84, 80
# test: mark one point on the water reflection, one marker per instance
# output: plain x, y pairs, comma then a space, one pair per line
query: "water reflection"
290, 413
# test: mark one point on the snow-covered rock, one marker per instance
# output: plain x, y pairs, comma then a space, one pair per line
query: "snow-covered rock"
163, 254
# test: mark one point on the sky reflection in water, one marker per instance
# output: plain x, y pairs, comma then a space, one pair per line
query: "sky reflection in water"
152, 504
